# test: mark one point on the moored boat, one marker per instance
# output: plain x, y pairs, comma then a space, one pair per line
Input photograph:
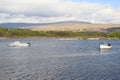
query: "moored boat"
19, 44
105, 46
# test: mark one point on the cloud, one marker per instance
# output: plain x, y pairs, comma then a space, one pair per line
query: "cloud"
57, 10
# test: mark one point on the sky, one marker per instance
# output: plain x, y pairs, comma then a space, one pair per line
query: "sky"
46, 11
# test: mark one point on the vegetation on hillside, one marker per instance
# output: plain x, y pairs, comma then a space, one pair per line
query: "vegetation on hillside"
114, 34
16, 33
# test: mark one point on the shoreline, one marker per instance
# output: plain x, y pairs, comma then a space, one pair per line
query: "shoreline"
64, 35
61, 38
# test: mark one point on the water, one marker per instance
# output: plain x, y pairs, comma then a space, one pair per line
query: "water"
54, 59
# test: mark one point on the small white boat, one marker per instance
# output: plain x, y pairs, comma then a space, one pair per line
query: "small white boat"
18, 44
104, 46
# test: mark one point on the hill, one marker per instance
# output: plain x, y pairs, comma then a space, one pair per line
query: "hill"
77, 26
19, 25
30, 25
65, 26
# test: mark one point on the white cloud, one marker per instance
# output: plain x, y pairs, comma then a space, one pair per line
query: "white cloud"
56, 10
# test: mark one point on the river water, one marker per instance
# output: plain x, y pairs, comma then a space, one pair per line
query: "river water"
54, 59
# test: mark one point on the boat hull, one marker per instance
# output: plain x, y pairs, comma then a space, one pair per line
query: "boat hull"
105, 47
18, 44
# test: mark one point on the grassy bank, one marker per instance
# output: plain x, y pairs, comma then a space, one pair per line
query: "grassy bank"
17, 33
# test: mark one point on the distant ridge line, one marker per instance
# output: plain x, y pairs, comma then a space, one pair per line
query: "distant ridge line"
18, 25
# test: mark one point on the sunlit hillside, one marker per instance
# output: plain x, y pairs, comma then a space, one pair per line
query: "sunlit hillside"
77, 27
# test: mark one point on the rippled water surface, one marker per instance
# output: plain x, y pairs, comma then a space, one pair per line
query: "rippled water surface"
54, 59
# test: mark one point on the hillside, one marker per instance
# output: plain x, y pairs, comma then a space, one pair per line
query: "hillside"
19, 25
30, 25
76, 26
65, 26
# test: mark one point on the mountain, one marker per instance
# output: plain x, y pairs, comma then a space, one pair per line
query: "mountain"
65, 26
69, 22
77, 27
18, 25
29, 25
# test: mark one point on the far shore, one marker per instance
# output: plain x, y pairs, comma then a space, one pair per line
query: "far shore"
60, 38
78, 32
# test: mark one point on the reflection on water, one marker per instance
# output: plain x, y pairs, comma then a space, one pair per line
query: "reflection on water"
53, 59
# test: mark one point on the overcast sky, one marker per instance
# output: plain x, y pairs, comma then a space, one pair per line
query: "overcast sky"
40, 11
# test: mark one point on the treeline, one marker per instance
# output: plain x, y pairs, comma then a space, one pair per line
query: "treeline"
15, 33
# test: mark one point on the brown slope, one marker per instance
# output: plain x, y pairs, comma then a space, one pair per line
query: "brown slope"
78, 27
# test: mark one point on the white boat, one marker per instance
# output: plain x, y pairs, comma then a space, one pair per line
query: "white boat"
104, 46
18, 44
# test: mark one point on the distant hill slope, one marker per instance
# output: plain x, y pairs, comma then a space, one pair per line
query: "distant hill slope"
18, 25
69, 22
30, 25
79, 27
65, 26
